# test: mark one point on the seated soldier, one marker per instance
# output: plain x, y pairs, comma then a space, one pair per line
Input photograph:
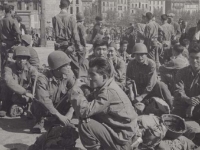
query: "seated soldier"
34, 59
19, 78
142, 71
118, 67
169, 69
106, 116
118, 64
51, 91
122, 51
187, 87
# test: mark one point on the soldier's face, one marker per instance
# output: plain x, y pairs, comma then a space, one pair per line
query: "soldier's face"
112, 52
141, 58
96, 80
101, 51
21, 61
194, 60
124, 47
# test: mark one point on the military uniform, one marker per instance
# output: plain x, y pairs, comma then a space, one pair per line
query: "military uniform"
10, 36
187, 85
168, 30
82, 34
17, 83
145, 77
49, 93
112, 116
177, 29
169, 70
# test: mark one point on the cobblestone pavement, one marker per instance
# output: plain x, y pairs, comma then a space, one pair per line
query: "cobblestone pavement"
14, 132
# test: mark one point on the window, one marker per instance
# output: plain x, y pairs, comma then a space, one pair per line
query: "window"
77, 10
119, 7
146, 5
139, 4
35, 6
124, 7
26, 5
19, 5
103, 3
71, 10
77, 1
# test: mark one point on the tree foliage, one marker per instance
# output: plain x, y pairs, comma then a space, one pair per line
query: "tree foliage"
90, 15
111, 17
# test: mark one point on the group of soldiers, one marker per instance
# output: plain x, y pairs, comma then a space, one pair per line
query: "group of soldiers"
113, 92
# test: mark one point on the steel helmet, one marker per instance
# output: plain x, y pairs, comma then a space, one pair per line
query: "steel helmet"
21, 51
176, 125
140, 48
57, 59
80, 17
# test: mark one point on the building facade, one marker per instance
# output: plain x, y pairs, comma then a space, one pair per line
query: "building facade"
87, 4
157, 4
138, 4
182, 5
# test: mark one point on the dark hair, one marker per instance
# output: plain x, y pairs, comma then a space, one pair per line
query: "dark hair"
123, 42
100, 42
8, 8
19, 19
178, 48
149, 15
103, 66
64, 4
195, 48
164, 17
185, 42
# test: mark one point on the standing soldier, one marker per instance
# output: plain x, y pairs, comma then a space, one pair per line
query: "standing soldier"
152, 30
81, 29
140, 29
177, 29
51, 91
10, 35
67, 38
97, 27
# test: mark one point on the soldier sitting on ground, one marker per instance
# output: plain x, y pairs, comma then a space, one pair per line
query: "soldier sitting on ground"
51, 91
106, 116
169, 69
142, 71
17, 88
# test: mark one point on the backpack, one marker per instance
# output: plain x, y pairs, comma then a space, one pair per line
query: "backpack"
151, 129
58, 137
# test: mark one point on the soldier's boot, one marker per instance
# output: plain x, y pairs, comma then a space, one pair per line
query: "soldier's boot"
39, 126
16, 110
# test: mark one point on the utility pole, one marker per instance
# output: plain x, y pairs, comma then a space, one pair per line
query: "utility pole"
43, 41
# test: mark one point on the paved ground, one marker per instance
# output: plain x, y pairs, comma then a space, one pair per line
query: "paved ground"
14, 132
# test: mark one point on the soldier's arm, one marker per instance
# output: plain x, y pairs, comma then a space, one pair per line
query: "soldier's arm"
152, 77
11, 83
85, 109
75, 36
83, 36
121, 71
179, 91
17, 31
43, 96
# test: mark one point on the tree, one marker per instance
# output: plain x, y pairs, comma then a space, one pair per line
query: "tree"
111, 17
90, 15
126, 19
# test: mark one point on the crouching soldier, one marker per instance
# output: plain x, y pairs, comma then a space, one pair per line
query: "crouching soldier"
51, 91
19, 78
106, 116
142, 71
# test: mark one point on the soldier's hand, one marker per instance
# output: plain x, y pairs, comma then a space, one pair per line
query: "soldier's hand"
79, 83
29, 95
63, 119
194, 101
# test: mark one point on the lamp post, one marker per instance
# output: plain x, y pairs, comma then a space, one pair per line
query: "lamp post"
43, 41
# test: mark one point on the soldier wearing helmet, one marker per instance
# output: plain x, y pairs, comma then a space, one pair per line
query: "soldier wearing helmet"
18, 80
81, 29
51, 91
142, 71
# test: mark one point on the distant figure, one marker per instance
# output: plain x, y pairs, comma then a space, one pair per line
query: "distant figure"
36, 41
22, 27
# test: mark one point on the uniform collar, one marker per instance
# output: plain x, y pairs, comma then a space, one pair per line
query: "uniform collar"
107, 83
8, 15
63, 11
26, 67
145, 63
53, 78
